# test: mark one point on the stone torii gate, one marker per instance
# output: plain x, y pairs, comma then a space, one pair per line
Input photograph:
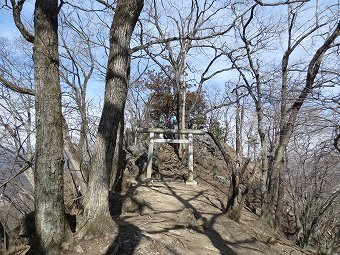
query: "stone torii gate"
189, 141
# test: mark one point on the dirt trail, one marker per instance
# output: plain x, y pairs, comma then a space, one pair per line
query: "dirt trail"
173, 218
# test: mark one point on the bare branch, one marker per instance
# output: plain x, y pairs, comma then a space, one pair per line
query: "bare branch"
260, 2
16, 88
313, 70
227, 158
5, 5
17, 7
28, 166
215, 107
178, 38
204, 78
107, 4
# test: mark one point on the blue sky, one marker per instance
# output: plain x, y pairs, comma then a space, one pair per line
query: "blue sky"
7, 25
9, 30
198, 62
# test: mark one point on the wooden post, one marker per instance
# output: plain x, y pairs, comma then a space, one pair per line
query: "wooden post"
190, 180
150, 155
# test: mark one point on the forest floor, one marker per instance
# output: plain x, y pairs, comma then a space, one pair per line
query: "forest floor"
170, 217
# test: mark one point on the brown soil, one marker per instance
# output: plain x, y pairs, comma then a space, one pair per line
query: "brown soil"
169, 217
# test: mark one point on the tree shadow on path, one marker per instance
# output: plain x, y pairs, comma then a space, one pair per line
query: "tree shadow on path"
129, 235
208, 230
127, 239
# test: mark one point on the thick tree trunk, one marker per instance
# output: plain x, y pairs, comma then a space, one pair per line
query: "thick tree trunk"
273, 183
49, 203
96, 211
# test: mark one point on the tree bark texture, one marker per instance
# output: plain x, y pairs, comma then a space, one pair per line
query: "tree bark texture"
48, 176
96, 209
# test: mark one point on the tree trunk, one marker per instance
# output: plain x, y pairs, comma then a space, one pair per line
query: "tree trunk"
48, 176
280, 198
29, 173
238, 128
236, 198
96, 207
84, 128
265, 213
118, 160
236, 192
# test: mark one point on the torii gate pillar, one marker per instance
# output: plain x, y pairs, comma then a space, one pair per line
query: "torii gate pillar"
191, 180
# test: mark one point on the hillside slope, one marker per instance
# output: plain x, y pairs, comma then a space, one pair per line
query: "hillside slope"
169, 217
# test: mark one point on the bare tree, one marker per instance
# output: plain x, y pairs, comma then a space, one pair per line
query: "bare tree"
272, 168
192, 26
77, 69
313, 190
17, 119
